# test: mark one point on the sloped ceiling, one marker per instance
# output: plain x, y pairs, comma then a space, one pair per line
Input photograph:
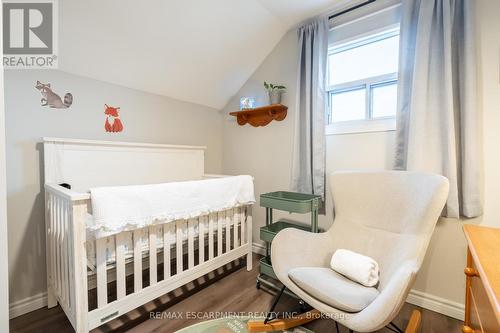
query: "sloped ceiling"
200, 51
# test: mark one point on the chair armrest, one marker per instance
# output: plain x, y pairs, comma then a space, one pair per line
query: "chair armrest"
390, 301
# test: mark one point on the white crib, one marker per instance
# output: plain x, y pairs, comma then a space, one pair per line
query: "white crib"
184, 250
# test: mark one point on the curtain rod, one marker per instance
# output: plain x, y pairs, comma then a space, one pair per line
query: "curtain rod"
351, 9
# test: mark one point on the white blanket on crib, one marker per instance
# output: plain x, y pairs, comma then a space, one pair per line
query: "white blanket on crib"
121, 208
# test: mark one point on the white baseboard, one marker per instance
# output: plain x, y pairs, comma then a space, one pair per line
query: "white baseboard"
26, 305
437, 304
418, 298
258, 248
415, 297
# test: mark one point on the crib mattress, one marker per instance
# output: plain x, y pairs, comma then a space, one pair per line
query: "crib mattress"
144, 240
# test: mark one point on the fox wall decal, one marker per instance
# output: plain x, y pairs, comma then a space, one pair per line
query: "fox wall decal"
113, 123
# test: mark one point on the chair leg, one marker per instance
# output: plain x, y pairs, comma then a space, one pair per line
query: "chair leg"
283, 324
269, 315
395, 328
414, 322
337, 327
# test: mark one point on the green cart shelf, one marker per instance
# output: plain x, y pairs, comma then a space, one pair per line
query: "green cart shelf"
268, 232
292, 202
266, 268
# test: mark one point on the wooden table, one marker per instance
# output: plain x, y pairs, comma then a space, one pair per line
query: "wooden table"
482, 295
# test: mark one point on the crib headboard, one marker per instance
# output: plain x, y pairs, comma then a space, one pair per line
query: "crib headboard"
89, 163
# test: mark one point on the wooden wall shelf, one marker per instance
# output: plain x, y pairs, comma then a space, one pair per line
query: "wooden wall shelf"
261, 116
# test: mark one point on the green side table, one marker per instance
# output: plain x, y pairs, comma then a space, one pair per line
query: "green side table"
291, 202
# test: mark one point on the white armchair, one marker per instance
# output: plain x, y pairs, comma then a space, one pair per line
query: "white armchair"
387, 215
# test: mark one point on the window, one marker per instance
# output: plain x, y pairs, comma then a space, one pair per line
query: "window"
362, 74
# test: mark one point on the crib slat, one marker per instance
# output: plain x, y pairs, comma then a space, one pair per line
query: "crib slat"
60, 245
243, 225
220, 217
229, 214
137, 261
178, 248
65, 277
57, 244
48, 248
235, 216
211, 236
152, 256
102, 288
55, 252
50, 236
54, 244
191, 224
120, 265
61, 250
68, 252
167, 233
201, 239
70, 256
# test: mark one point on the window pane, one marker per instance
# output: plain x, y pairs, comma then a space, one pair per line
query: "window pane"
364, 61
384, 99
348, 105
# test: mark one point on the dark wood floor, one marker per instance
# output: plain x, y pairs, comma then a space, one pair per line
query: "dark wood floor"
230, 289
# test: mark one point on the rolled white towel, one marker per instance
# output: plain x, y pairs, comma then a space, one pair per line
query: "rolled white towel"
356, 267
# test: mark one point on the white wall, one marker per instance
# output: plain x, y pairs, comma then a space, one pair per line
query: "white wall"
4, 288
266, 152
488, 29
146, 118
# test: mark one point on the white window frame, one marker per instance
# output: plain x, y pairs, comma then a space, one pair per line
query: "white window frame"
369, 124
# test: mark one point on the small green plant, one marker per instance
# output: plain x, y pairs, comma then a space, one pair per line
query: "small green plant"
273, 87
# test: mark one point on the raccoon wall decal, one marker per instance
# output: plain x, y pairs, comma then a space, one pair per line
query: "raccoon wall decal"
51, 99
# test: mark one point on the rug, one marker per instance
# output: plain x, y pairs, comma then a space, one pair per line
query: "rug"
231, 325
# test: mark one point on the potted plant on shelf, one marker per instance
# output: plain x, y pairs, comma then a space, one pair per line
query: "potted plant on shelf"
274, 91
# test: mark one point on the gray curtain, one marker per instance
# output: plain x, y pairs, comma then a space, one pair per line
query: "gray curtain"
308, 166
438, 118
